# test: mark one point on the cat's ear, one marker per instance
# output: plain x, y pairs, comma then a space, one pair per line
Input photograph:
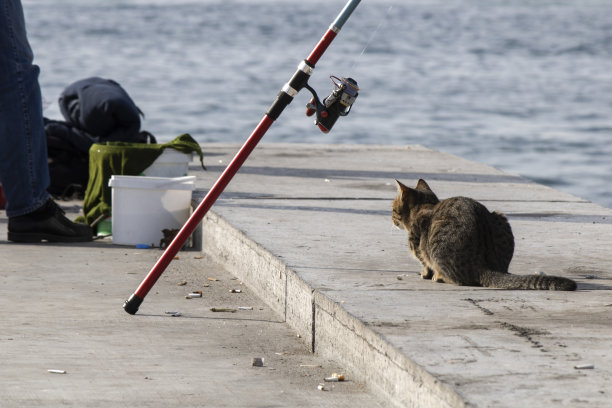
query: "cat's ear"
406, 194
423, 186
400, 186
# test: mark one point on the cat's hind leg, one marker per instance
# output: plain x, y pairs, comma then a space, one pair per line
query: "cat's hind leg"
437, 277
441, 273
431, 273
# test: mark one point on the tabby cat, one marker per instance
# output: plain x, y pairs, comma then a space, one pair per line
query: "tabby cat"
457, 240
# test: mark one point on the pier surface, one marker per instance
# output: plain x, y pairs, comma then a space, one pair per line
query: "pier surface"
306, 230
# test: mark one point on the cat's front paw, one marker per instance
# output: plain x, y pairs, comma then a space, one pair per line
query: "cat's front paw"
427, 273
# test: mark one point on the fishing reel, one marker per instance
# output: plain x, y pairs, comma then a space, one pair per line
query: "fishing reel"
337, 103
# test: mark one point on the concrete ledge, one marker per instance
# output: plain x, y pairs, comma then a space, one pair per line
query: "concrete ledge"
268, 276
341, 336
322, 323
308, 228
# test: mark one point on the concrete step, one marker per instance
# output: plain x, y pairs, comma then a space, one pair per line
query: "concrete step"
308, 228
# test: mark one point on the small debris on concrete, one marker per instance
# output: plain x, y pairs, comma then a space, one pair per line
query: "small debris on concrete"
245, 307
206, 285
196, 294
584, 367
400, 277
176, 258
335, 377
222, 309
181, 283
173, 313
321, 387
57, 371
235, 290
198, 257
257, 361
213, 279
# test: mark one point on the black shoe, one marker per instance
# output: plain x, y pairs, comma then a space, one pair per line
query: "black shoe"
48, 223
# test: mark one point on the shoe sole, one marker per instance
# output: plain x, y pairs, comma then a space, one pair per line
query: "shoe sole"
29, 237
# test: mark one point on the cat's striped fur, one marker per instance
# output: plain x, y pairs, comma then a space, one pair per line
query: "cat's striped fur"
457, 240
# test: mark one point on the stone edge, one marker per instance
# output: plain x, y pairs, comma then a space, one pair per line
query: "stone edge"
324, 325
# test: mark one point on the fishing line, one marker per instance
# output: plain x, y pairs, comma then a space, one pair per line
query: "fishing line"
369, 42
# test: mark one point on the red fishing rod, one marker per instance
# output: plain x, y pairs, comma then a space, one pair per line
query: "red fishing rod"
338, 103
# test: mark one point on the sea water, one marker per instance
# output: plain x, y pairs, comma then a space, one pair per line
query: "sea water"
522, 85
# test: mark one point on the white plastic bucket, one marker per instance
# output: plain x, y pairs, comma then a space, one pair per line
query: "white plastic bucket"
144, 206
171, 163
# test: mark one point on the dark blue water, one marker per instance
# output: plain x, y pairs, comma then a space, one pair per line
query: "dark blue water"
525, 86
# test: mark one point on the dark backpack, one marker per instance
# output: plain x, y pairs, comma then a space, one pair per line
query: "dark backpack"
68, 164
96, 110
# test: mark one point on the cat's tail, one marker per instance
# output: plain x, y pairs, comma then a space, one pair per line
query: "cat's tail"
499, 280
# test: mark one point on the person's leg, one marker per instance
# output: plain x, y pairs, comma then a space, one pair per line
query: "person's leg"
24, 171
23, 151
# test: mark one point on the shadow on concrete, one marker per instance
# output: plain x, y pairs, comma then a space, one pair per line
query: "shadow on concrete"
304, 208
592, 286
541, 217
388, 175
222, 316
91, 244
560, 217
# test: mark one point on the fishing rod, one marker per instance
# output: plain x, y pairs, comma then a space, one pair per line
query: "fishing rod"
337, 104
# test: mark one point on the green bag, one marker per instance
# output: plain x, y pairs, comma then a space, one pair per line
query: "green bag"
121, 158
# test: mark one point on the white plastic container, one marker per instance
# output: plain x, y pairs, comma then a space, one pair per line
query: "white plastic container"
171, 163
144, 206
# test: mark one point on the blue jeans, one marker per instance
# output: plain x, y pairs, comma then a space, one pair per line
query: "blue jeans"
24, 171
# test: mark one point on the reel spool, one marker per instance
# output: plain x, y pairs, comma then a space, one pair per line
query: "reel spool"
338, 103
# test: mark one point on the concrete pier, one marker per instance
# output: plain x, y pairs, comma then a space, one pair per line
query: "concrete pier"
307, 229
